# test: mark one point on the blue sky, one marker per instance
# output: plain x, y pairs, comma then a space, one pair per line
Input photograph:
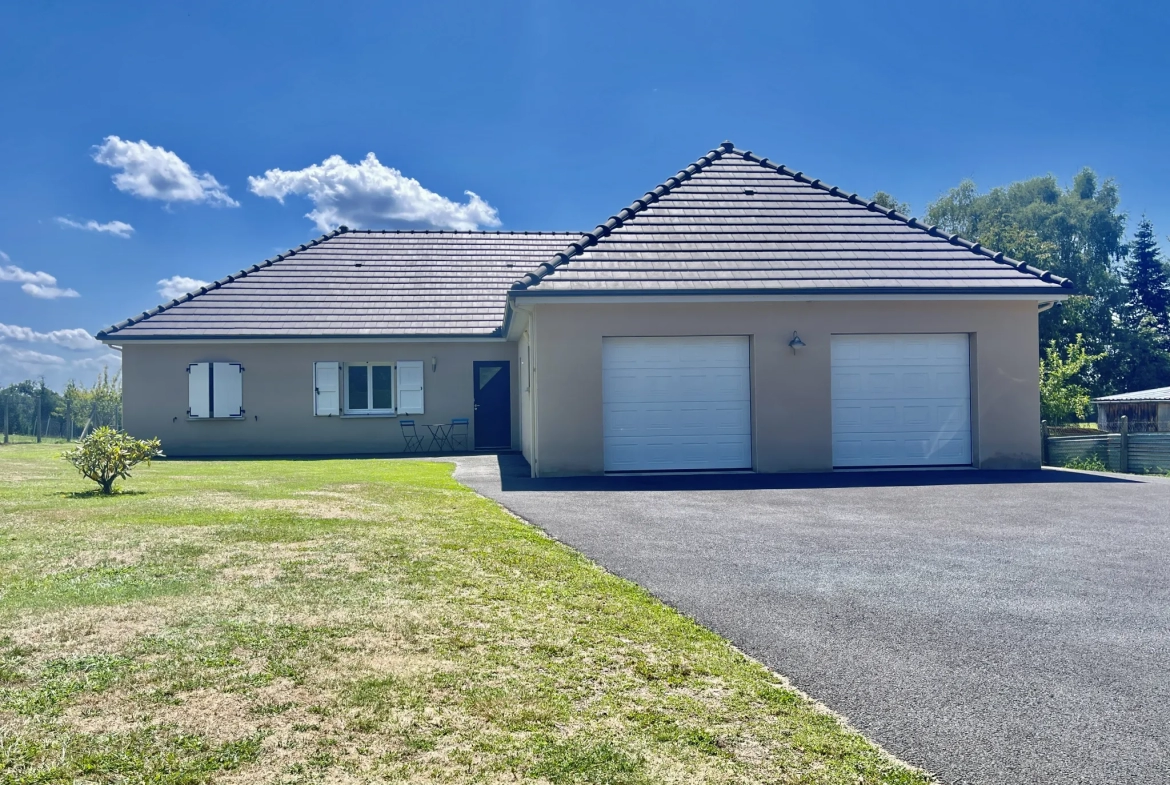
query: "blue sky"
554, 114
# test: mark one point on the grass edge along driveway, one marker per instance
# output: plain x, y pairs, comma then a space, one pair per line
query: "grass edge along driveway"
359, 621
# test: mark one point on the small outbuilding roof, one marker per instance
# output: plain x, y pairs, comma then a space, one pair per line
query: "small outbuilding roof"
735, 222
1140, 396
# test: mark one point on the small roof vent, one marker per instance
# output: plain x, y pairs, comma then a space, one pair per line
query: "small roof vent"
749, 191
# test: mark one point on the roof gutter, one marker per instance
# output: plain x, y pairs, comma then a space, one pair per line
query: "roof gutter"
168, 339
1047, 296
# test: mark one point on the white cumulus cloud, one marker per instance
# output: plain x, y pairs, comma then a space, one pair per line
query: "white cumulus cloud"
178, 285
368, 194
17, 364
153, 172
107, 360
28, 359
116, 228
85, 356
10, 272
48, 292
71, 338
37, 284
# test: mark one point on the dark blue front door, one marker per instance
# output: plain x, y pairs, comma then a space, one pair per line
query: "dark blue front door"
493, 405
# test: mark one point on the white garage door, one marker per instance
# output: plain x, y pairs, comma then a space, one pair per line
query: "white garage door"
676, 403
901, 400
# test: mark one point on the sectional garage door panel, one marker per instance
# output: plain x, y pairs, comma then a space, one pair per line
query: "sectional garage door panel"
901, 400
676, 403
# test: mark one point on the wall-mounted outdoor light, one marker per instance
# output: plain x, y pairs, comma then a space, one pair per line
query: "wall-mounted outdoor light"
434, 364
796, 343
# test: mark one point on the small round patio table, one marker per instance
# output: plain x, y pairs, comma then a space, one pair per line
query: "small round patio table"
439, 436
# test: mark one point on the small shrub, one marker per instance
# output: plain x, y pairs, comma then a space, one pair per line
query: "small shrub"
107, 454
1090, 463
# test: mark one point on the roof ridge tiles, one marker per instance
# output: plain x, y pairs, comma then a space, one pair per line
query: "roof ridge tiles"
480, 232
589, 238
894, 215
102, 334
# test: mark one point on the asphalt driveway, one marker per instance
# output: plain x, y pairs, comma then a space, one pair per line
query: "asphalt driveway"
989, 627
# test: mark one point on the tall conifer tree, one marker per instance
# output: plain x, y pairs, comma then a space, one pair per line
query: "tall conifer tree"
1148, 277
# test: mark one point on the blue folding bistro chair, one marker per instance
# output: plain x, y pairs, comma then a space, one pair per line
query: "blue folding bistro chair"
457, 433
411, 436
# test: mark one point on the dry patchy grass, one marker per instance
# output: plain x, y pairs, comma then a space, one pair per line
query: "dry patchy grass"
359, 621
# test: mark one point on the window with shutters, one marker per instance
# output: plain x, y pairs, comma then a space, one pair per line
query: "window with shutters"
369, 388
215, 391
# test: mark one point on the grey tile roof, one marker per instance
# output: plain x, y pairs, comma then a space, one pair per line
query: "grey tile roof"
359, 283
735, 222
1156, 394
731, 222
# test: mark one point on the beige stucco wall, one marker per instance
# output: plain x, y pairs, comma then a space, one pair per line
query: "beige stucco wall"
791, 411
278, 396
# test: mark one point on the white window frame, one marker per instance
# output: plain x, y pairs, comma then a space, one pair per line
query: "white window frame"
369, 412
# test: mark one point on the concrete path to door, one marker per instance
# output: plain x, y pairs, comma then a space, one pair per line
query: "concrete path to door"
991, 627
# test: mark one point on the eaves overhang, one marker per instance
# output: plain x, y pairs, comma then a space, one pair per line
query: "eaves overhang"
121, 338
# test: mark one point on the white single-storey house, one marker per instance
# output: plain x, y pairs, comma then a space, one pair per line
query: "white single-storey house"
739, 316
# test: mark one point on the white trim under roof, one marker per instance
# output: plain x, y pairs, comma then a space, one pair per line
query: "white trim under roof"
123, 339
513, 327
764, 297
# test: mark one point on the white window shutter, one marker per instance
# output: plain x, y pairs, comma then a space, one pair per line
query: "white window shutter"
199, 390
227, 381
410, 387
326, 389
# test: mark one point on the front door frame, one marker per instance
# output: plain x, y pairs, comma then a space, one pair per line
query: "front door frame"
486, 422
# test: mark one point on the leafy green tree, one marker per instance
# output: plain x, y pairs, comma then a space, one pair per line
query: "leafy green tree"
889, 202
1148, 277
68, 414
1138, 358
107, 455
1076, 232
24, 400
1062, 397
106, 400
77, 407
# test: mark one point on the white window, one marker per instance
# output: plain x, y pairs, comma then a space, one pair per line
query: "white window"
369, 388
215, 391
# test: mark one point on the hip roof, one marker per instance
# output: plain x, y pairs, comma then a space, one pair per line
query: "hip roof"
733, 221
730, 223
359, 283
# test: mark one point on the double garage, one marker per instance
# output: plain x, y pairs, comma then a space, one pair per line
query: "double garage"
685, 402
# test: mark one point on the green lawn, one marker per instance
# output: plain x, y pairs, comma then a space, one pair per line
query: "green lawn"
353, 621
